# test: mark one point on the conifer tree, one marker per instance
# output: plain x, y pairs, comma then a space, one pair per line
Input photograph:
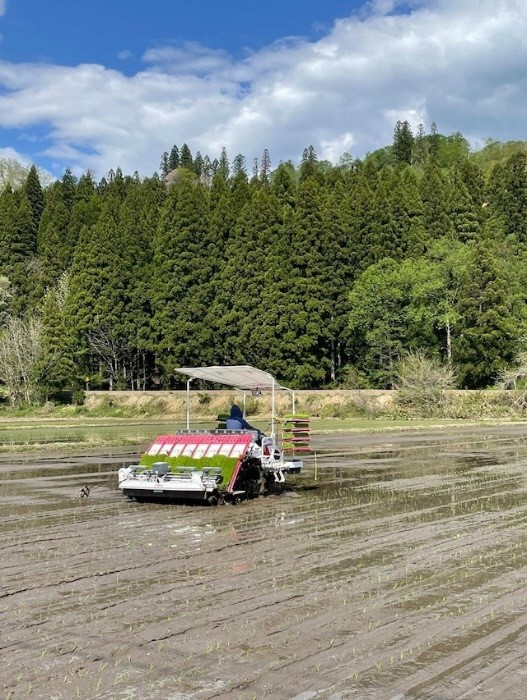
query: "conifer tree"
514, 196
387, 233
403, 143
283, 184
236, 303
68, 187
435, 194
265, 168
487, 339
416, 238
197, 166
185, 157
164, 166
420, 147
238, 165
35, 197
310, 305
309, 164
98, 294
361, 223
433, 143
55, 366
181, 289
174, 160
223, 164
463, 213
18, 244
54, 251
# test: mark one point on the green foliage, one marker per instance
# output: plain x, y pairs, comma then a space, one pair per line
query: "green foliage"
488, 337
403, 143
321, 275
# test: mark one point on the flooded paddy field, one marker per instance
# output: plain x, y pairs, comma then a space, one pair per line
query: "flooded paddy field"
399, 573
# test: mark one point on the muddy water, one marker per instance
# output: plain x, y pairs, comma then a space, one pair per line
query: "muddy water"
399, 573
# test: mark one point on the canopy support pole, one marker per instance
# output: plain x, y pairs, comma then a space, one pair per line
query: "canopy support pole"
188, 402
272, 410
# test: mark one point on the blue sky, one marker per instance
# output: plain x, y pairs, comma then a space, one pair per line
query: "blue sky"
97, 31
88, 84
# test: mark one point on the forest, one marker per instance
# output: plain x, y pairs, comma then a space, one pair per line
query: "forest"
324, 275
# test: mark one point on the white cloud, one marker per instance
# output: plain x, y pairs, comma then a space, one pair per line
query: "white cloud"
2, 7
11, 154
188, 57
461, 65
124, 55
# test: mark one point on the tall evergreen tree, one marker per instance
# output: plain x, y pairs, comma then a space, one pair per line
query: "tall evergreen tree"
361, 222
238, 165
55, 366
98, 294
514, 196
35, 197
265, 167
185, 157
68, 187
463, 213
435, 195
18, 244
283, 184
487, 340
164, 166
198, 164
403, 143
181, 289
223, 164
54, 250
310, 296
174, 160
309, 164
420, 147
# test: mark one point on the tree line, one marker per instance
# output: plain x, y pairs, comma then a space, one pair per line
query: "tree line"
322, 274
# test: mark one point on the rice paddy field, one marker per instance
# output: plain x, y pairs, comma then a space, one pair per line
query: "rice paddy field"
394, 568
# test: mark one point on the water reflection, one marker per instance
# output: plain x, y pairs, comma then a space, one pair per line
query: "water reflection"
403, 563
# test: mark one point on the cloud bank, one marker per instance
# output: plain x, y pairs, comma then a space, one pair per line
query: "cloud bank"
462, 65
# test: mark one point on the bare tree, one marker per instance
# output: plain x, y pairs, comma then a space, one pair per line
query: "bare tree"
112, 351
421, 380
516, 375
6, 296
20, 350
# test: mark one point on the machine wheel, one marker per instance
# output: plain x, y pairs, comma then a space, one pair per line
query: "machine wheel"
216, 498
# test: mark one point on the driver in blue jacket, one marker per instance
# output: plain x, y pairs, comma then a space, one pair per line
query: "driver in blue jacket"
236, 421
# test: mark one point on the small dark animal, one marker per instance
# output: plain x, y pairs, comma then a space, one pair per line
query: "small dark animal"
85, 491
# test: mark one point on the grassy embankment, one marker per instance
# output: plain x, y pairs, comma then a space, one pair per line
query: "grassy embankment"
135, 418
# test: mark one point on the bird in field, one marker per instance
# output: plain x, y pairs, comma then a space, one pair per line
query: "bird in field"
85, 491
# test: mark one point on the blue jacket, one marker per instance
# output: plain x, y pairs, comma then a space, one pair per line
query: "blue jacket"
236, 421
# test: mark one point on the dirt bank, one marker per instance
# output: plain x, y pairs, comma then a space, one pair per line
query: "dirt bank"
398, 574
334, 403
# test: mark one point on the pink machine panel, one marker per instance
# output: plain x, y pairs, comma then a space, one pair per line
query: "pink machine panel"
196, 446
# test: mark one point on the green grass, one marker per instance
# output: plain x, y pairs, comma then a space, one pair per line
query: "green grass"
46, 433
324, 425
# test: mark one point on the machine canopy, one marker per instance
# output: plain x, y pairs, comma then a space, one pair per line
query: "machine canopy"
243, 377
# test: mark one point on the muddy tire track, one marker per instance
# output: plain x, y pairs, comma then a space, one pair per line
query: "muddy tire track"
400, 573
